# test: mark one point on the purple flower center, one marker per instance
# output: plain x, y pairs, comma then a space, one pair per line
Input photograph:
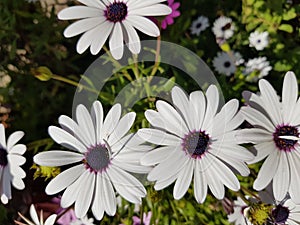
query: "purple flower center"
97, 158
196, 143
227, 64
226, 27
282, 143
116, 12
3, 157
280, 214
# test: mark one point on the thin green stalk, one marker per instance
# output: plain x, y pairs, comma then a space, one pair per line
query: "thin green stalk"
157, 53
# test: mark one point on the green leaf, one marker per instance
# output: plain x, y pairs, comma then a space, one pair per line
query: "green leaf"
291, 14
286, 27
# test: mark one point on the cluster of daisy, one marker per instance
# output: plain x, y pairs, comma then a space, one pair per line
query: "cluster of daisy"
227, 61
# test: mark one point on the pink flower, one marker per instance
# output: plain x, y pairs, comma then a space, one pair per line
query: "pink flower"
169, 19
146, 219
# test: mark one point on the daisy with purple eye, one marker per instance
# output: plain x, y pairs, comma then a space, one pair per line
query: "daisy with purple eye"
223, 28
169, 19
199, 25
195, 140
11, 158
102, 153
275, 136
287, 213
259, 40
113, 19
238, 217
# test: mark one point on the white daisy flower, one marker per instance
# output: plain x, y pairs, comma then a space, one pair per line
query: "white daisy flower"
10, 161
259, 40
275, 136
116, 19
287, 213
36, 221
101, 152
198, 25
238, 217
83, 221
257, 68
223, 27
224, 63
195, 139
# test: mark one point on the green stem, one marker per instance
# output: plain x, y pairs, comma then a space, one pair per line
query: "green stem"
142, 212
157, 53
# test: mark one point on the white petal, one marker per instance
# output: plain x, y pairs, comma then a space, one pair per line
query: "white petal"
153, 10
173, 121
17, 171
272, 105
134, 43
65, 139
111, 120
256, 118
133, 4
294, 190
93, 3
158, 137
97, 207
108, 196
57, 158
263, 150
198, 102
289, 95
161, 184
64, 179
212, 96
82, 26
200, 183
33, 215
157, 155
87, 38
18, 149
85, 123
97, 116
13, 139
16, 159
281, 180
144, 25
99, 37
6, 186
84, 199
50, 220
79, 12
267, 171
122, 128
18, 183
2, 136
253, 135
184, 180
215, 185
116, 45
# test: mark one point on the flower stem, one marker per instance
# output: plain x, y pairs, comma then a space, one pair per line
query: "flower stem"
157, 53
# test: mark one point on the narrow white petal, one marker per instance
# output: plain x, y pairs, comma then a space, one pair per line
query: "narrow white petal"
116, 45
87, 38
270, 98
13, 139
64, 179
33, 215
200, 183
184, 180
85, 123
267, 171
6, 186
124, 125
19, 149
263, 150
97, 206
93, 3
281, 180
153, 10
65, 139
97, 116
108, 196
289, 95
158, 137
144, 25
161, 184
172, 120
100, 36
253, 135
214, 184
79, 12
2, 136
134, 43
111, 120
238, 165
198, 102
294, 190
16, 159
57, 158
157, 155
18, 183
17, 171
133, 4
212, 96
133, 167
84, 199
256, 118
50, 220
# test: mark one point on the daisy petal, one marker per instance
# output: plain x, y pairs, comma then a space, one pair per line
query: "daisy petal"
18, 149
198, 102
116, 45
294, 191
111, 120
158, 137
289, 95
57, 158
108, 196
50, 220
157, 155
97, 207
200, 183
97, 117
93, 3
34, 215
144, 25
79, 12
253, 135
2, 136
99, 37
263, 149
153, 10
6, 187
134, 43
13, 139
85, 123
212, 96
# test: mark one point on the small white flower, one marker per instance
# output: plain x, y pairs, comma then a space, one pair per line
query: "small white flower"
113, 19
198, 25
275, 136
83, 221
223, 27
102, 153
10, 161
238, 217
259, 40
225, 63
195, 140
257, 68
36, 221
